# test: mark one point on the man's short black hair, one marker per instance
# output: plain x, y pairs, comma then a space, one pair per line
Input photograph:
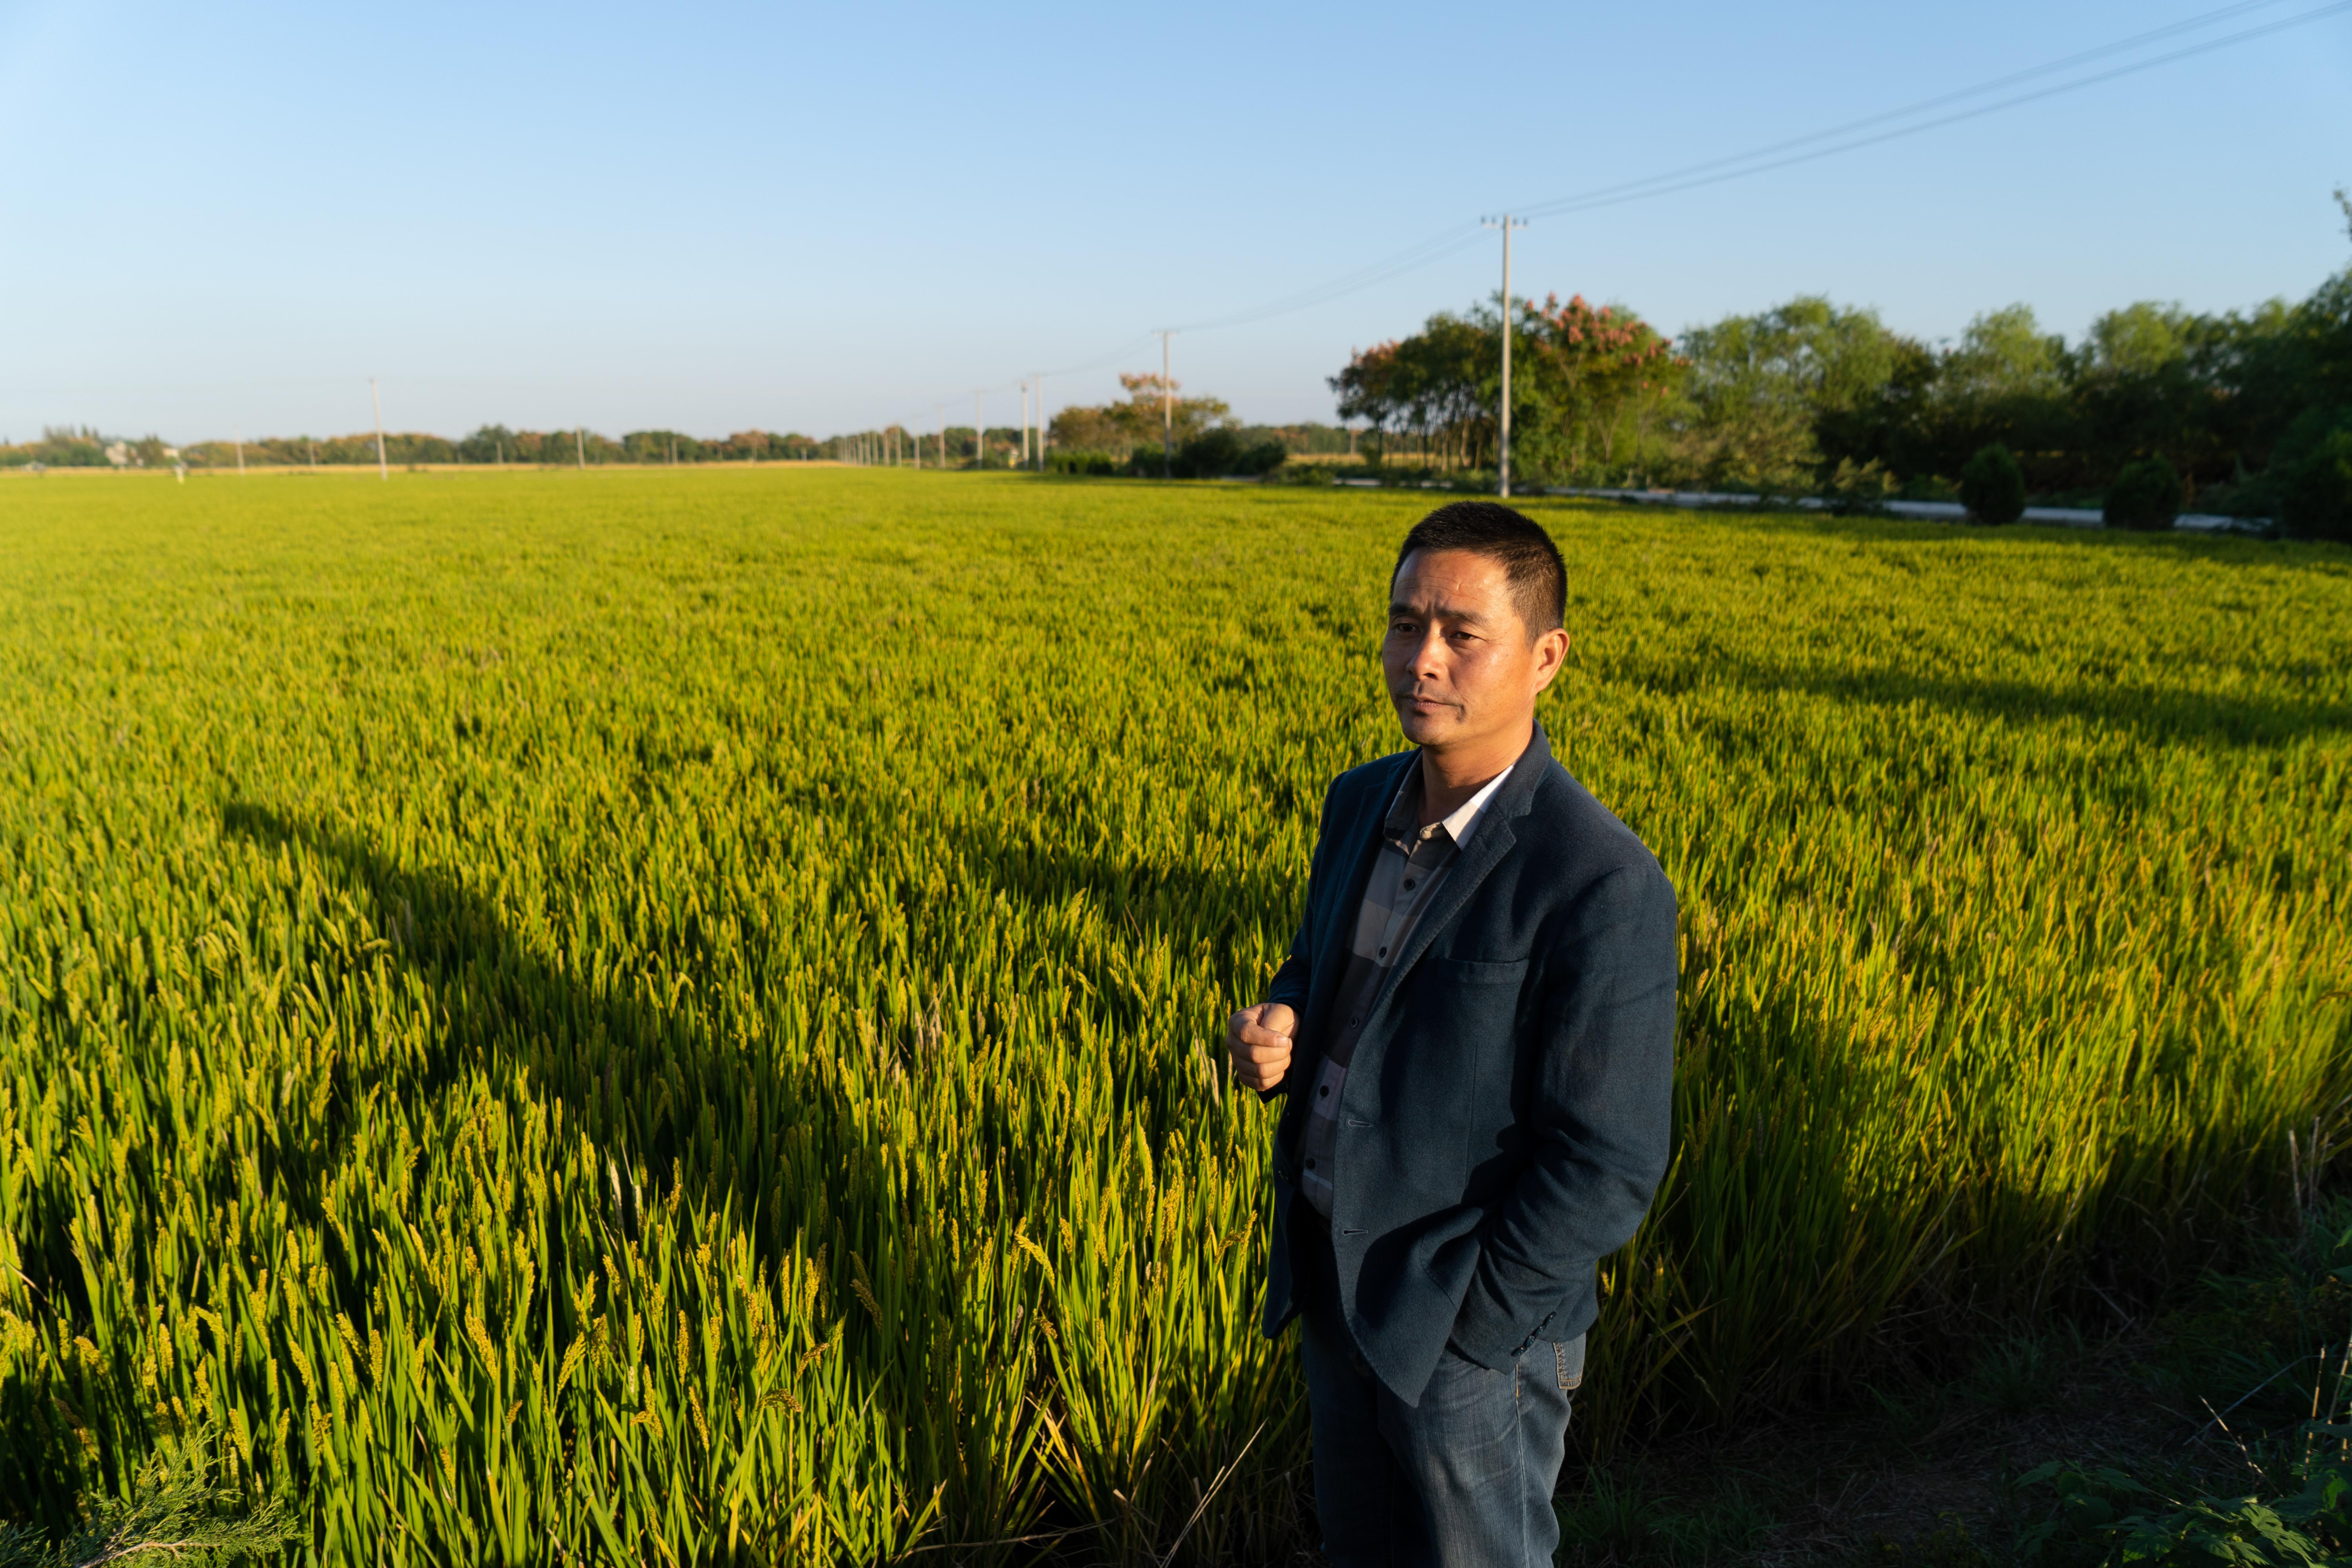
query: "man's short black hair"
1530, 560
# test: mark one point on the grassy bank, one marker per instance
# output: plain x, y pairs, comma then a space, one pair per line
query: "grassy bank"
677, 1014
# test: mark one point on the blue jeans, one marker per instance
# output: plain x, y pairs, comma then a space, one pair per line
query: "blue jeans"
1463, 1479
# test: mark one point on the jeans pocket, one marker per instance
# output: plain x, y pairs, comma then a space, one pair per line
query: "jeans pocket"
1568, 1359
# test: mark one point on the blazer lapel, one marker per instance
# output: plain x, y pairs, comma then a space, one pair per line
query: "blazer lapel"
1493, 840
1337, 922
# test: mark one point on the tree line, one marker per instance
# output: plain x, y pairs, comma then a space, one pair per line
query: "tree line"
2251, 412
69, 448
82, 447
1077, 429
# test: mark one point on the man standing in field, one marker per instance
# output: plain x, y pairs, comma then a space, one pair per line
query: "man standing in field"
1473, 1033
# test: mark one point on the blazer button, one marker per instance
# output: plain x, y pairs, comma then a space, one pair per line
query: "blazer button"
1310, 1165
1323, 1093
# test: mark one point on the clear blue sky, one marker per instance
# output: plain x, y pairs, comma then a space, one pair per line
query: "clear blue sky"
714, 218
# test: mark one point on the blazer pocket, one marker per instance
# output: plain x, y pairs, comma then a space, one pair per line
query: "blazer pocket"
1482, 972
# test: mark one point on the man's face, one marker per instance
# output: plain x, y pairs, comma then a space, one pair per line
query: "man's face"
1460, 665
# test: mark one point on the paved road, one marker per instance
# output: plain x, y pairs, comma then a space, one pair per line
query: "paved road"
1940, 510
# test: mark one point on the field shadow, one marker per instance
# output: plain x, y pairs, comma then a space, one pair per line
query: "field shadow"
2193, 718
1142, 899
642, 1081
665, 1109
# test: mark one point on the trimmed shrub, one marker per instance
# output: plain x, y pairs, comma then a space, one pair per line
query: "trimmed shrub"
1216, 454
1992, 486
2145, 494
1263, 457
2317, 500
1208, 454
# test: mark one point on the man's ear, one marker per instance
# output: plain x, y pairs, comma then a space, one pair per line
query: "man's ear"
1551, 652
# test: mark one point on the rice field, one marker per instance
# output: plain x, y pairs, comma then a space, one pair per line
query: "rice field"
675, 1017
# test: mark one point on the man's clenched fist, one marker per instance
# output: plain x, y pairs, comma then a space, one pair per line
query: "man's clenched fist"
1259, 1041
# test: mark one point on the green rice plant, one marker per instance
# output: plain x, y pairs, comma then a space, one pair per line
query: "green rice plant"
675, 1015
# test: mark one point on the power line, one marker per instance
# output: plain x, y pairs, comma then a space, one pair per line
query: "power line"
1842, 138
1458, 238
1437, 247
1454, 241
1617, 196
1924, 105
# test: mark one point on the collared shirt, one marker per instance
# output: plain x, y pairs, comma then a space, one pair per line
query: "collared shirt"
1412, 860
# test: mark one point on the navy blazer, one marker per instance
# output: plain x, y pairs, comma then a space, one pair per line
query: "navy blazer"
1505, 1119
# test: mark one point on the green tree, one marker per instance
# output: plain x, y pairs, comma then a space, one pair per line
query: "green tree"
2142, 339
488, 444
1592, 373
1137, 420
1762, 387
2005, 353
1367, 389
1445, 385
2005, 384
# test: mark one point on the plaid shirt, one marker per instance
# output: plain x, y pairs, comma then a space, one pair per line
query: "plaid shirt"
1412, 860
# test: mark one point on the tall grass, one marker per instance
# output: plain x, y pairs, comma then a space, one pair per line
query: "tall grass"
676, 1016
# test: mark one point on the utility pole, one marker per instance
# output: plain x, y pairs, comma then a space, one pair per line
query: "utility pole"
383, 468
580, 444
239, 431
979, 436
1502, 433
1024, 424
1167, 409
1041, 424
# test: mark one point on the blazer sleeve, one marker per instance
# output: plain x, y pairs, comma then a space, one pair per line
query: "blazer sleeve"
1602, 1115
1294, 981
